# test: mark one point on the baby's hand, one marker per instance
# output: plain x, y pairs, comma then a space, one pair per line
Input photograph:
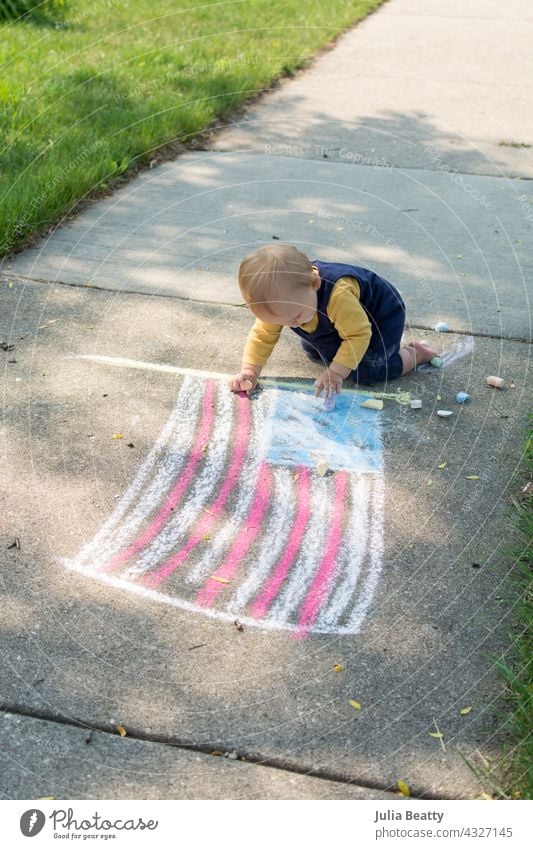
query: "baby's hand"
329, 383
244, 381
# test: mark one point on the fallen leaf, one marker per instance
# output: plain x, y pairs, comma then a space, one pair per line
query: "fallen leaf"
465, 710
441, 466
403, 788
472, 477
218, 754
239, 626
220, 580
438, 734
48, 323
118, 436
206, 537
355, 705
121, 730
15, 543
296, 476
337, 667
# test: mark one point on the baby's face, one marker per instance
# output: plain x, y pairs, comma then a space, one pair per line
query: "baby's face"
295, 308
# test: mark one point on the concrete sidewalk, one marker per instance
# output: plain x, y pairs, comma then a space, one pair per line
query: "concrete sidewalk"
147, 324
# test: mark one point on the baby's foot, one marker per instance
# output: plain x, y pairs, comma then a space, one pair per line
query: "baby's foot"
422, 353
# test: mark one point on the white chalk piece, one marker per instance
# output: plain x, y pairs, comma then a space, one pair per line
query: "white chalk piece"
498, 382
444, 413
436, 361
321, 467
373, 404
416, 404
441, 327
462, 397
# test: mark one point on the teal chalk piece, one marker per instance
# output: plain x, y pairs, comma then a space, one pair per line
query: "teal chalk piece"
437, 362
462, 397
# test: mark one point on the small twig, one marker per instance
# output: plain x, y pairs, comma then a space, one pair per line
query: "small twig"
199, 646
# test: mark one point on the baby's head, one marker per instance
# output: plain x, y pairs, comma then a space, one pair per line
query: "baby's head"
279, 284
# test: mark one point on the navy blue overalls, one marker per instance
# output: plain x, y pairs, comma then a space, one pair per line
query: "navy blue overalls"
385, 309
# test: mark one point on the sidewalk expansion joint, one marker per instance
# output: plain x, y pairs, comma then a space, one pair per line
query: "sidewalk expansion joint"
42, 281
245, 758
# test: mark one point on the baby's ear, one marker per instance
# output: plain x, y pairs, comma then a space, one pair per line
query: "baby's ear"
315, 279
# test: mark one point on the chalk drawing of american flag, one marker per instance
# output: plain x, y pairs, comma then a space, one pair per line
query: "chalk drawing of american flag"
228, 516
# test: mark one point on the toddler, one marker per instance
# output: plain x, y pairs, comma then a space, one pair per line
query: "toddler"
348, 318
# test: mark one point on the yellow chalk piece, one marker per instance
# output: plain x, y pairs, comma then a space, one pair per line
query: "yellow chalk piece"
45, 798
10, 286
48, 323
220, 580
465, 710
337, 667
118, 436
206, 537
403, 788
121, 730
438, 734
296, 476
441, 466
355, 705
472, 477
321, 467
430, 482
373, 404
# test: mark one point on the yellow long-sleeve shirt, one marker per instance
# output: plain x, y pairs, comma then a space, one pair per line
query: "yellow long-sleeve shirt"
343, 310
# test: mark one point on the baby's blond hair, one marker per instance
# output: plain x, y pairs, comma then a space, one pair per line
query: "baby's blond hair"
271, 272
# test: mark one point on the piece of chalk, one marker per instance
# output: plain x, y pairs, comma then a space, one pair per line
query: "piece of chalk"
441, 327
321, 467
329, 403
373, 404
436, 361
498, 382
462, 397
444, 413
416, 404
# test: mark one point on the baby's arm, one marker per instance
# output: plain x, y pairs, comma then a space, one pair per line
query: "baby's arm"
353, 326
261, 340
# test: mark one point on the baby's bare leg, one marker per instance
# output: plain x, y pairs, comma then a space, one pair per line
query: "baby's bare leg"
415, 353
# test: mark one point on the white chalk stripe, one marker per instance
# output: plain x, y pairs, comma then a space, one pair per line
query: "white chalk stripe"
463, 346
171, 536
368, 588
274, 538
190, 607
165, 458
311, 552
353, 552
172, 459
262, 409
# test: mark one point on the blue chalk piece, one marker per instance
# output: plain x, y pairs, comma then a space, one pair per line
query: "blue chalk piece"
329, 403
436, 361
462, 397
441, 327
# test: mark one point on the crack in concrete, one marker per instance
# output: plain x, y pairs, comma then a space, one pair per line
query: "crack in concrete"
207, 749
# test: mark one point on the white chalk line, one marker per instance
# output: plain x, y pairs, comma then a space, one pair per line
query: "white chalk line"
176, 436
351, 556
376, 558
178, 524
310, 554
463, 347
245, 490
154, 595
275, 537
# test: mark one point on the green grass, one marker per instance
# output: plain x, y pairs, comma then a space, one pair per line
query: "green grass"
518, 673
87, 96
